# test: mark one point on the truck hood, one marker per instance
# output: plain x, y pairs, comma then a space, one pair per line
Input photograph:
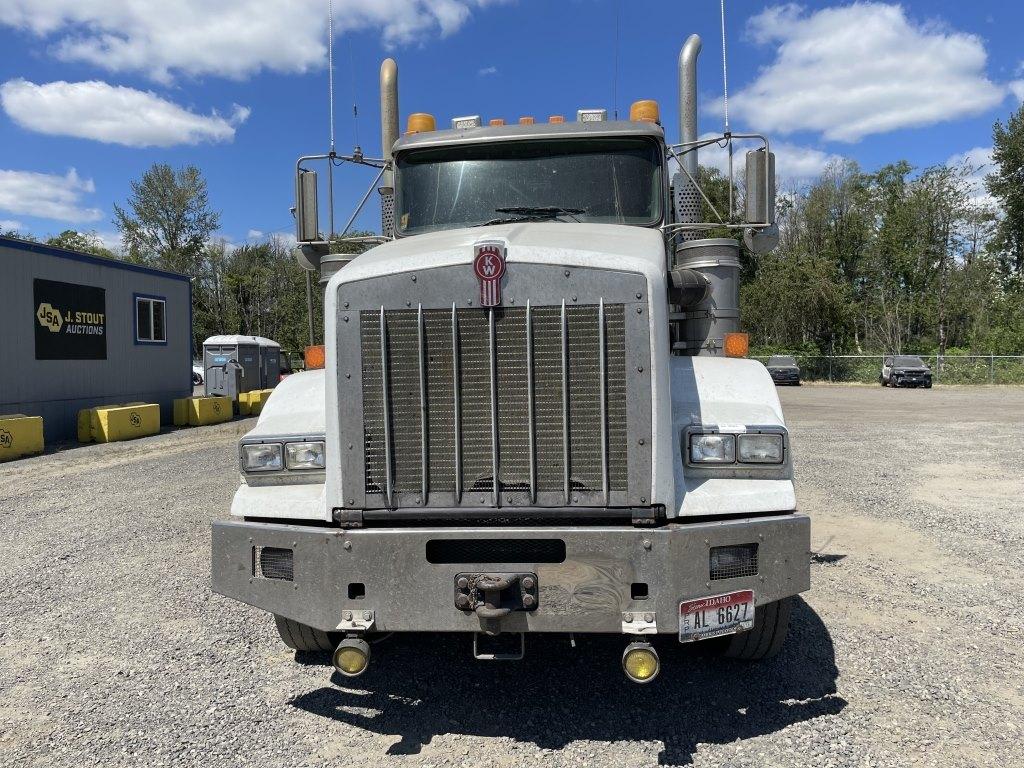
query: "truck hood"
608, 246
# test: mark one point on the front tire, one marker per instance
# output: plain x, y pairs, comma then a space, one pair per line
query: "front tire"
302, 637
771, 625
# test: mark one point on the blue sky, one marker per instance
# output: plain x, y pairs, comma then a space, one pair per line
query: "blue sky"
92, 92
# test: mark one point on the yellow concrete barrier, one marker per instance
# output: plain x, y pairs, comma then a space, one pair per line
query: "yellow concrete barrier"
243, 403
20, 435
257, 399
126, 422
209, 410
181, 411
88, 423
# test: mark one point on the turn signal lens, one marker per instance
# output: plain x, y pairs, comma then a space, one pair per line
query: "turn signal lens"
736, 344
420, 122
645, 111
351, 657
315, 357
640, 662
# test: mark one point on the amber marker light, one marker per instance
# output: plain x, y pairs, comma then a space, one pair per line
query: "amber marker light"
737, 344
645, 111
496, 121
315, 357
526, 120
420, 122
556, 119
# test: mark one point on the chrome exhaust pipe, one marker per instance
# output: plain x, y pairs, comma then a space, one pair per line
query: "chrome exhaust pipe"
688, 99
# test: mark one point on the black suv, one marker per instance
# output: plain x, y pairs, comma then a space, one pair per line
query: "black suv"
783, 370
905, 371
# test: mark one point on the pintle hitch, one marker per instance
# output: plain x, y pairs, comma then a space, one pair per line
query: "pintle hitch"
492, 596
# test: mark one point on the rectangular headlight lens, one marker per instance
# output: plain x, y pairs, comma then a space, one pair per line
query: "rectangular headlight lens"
760, 449
262, 457
304, 455
712, 449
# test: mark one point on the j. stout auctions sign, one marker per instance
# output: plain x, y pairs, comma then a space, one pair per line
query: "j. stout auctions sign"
71, 321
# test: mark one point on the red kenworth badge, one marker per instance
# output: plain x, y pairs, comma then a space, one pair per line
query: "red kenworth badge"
489, 265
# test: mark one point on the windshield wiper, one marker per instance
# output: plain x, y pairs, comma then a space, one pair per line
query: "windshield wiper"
533, 213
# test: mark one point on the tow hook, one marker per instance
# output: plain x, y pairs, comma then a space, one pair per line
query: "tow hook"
492, 596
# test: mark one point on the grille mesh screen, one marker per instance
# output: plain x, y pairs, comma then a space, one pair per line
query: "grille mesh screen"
472, 364
733, 562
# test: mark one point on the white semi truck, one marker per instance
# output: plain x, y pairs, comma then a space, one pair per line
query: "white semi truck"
535, 414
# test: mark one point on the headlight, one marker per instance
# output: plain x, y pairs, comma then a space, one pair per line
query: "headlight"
759, 448
262, 457
712, 449
304, 455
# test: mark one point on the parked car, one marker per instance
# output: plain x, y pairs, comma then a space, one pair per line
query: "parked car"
783, 369
905, 371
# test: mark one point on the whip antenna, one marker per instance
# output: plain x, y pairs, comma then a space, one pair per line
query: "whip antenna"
330, 67
725, 92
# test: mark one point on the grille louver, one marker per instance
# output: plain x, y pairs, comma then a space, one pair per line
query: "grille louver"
442, 387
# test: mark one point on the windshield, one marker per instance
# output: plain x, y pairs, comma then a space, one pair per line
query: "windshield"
612, 181
781, 360
909, 361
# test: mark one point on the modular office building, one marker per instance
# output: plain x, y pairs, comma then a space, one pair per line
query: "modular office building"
79, 330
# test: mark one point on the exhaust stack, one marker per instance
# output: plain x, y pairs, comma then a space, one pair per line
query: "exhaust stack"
688, 99
388, 137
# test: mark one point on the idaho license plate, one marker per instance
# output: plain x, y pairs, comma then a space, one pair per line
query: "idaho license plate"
715, 616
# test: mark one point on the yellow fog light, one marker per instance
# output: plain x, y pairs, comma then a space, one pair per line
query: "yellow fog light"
640, 662
351, 657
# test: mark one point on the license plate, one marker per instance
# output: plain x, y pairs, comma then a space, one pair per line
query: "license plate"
715, 616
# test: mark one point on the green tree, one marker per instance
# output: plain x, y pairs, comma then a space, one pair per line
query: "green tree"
1006, 184
167, 221
83, 242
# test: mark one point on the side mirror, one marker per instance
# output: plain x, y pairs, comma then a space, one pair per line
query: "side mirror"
760, 188
307, 216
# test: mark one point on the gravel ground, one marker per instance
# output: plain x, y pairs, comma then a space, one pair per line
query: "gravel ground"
907, 651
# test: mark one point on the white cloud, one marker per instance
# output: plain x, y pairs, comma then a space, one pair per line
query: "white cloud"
977, 164
231, 39
47, 195
113, 114
484, 72
254, 234
793, 164
861, 69
1017, 88
9, 224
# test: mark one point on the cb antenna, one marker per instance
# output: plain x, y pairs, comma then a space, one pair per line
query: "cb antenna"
330, 68
725, 91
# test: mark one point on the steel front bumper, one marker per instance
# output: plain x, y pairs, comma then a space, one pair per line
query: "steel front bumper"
387, 571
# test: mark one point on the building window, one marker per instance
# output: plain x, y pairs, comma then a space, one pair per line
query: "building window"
150, 327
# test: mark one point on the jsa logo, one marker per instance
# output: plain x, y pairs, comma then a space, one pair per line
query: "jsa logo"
49, 317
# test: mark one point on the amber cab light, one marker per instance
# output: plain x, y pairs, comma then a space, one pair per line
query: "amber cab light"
315, 357
737, 344
420, 122
645, 111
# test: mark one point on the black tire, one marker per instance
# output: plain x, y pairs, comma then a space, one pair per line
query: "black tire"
771, 624
302, 637
927, 385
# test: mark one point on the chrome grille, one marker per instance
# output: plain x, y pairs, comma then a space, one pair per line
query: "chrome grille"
476, 402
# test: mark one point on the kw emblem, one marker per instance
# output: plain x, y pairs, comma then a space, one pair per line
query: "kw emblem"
489, 265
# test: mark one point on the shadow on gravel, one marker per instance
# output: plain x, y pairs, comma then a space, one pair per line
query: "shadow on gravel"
419, 686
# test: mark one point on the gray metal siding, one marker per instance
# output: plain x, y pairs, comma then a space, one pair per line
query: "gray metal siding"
57, 389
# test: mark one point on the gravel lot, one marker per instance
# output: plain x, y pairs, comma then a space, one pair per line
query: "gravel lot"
907, 651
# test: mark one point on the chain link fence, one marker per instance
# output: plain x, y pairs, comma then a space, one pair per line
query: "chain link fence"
946, 369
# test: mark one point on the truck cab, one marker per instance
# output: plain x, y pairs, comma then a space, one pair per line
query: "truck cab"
534, 414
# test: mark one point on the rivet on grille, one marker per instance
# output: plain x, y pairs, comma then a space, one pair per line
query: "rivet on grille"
639, 369
574, 298
345, 319
346, 304
641, 441
414, 278
347, 545
348, 375
366, 614
639, 310
567, 273
638, 295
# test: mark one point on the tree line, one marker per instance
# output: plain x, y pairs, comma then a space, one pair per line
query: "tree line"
896, 260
